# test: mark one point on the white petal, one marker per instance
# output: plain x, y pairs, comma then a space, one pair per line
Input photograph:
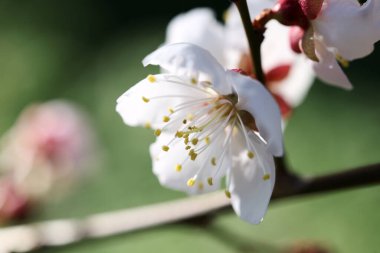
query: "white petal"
328, 69
164, 164
250, 193
173, 90
276, 49
294, 88
191, 60
348, 27
199, 27
255, 99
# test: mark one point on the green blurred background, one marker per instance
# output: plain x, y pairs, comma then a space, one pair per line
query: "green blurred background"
90, 52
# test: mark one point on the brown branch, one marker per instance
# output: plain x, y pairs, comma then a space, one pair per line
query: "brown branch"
30, 237
289, 184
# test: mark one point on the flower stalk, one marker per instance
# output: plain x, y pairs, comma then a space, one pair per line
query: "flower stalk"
255, 37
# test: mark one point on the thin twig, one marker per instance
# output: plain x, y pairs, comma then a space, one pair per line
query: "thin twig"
254, 37
29, 237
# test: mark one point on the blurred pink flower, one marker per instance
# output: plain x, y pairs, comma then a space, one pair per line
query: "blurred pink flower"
49, 147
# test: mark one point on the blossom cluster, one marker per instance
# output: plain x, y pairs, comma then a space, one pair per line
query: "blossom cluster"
213, 119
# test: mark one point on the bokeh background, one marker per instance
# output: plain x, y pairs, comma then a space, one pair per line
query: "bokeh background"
90, 52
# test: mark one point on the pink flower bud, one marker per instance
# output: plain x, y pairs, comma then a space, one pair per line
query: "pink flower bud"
290, 13
311, 8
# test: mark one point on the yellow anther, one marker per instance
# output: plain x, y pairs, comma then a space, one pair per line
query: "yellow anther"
148, 125
228, 193
186, 140
190, 116
165, 119
210, 181
191, 182
184, 121
200, 186
250, 154
151, 78
206, 83
194, 80
194, 141
213, 161
266, 177
188, 147
192, 154
235, 131
179, 134
146, 100
186, 135
345, 63
178, 167
157, 132
207, 140
171, 110
165, 148
226, 15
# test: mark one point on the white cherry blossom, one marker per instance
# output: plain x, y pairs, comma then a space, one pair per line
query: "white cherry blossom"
228, 44
344, 30
210, 123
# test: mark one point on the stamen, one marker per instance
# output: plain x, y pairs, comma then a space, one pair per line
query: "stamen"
200, 186
213, 161
184, 121
192, 155
166, 119
248, 142
345, 63
207, 140
148, 125
188, 147
227, 193
190, 116
191, 182
179, 134
146, 100
194, 141
178, 167
266, 177
165, 148
210, 181
250, 154
171, 110
194, 80
157, 132
151, 78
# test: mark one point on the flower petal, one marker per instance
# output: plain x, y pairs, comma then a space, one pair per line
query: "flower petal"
255, 99
294, 88
328, 69
349, 27
276, 48
199, 27
251, 181
191, 60
160, 92
164, 166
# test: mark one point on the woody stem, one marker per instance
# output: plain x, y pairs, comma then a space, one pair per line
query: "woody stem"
255, 37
